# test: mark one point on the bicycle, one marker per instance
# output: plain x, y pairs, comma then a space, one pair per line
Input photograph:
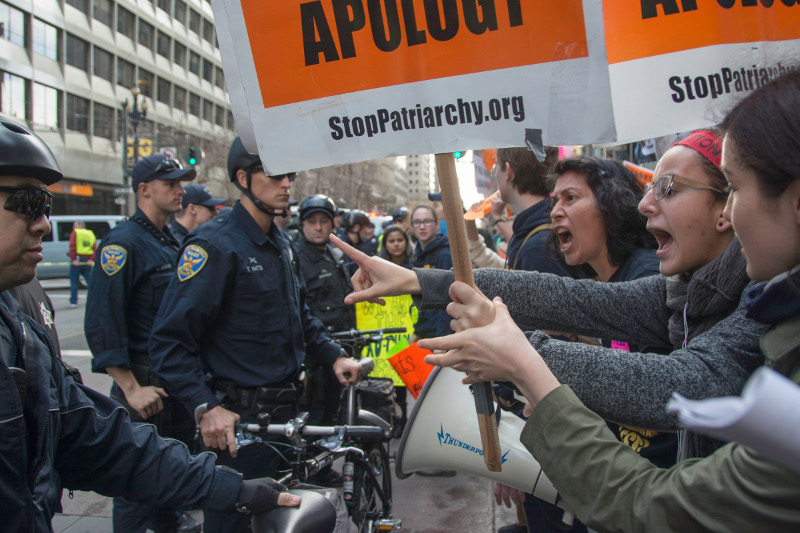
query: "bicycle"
362, 440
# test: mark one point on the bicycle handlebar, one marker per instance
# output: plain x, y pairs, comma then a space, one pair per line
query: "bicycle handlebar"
356, 432
353, 333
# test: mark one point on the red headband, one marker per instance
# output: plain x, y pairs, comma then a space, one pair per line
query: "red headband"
704, 142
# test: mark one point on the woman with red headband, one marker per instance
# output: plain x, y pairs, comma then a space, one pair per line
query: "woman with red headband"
693, 308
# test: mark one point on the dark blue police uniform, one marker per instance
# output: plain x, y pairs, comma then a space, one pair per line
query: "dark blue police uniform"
236, 309
131, 273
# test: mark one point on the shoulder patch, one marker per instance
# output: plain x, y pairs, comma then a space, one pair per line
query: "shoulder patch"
112, 258
192, 261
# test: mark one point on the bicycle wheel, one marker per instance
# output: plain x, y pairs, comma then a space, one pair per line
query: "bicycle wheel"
366, 506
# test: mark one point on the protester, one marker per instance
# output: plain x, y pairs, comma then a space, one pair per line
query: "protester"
693, 308
396, 246
82, 246
605, 483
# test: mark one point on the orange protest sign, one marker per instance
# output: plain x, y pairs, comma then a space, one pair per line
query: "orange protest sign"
410, 365
644, 28
643, 174
335, 47
482, 209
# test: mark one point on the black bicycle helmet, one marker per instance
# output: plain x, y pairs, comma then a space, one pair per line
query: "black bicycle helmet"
354, 217
239, 157
315, 203
23, 153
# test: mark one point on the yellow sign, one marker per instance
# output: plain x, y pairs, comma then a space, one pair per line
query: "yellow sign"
145, 147
399, 312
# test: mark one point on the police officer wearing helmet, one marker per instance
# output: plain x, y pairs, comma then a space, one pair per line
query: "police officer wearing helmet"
135, 264
354, 226
400, 217
236, 310
55, 433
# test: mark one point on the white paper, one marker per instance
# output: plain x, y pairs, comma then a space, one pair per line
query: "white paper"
766, 417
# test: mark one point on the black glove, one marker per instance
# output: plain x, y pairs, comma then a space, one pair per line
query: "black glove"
258, 495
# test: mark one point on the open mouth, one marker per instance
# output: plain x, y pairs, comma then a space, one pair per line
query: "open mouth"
664, 241
565, 237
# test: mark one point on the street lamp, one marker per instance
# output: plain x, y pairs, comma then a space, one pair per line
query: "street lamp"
136, 112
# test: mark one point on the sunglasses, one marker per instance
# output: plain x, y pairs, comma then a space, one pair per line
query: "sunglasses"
28, 201
663, 186
168, 165
278, 177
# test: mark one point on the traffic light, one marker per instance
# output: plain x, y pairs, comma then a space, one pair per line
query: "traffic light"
193, 156
459, 154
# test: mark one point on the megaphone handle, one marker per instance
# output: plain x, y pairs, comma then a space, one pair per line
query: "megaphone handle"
459, 251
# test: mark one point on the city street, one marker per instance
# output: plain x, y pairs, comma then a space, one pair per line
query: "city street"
463, 503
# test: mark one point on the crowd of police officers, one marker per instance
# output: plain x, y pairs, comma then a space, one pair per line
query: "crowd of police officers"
213, 319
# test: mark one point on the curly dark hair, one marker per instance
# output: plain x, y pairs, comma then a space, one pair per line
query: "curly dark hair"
617, 193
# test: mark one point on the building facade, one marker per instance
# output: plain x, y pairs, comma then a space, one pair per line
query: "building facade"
420, 170
69, 67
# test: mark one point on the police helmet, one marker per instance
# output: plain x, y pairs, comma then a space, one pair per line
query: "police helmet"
354, 217
400, 213
23, 153
239, 157
317, 203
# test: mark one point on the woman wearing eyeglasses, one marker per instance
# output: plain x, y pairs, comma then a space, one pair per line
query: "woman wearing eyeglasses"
692, 309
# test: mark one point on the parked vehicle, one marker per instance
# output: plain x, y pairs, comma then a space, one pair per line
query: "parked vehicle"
56, 244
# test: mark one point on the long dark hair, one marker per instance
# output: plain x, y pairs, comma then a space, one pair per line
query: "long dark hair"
765, 129
392, 229
617, 193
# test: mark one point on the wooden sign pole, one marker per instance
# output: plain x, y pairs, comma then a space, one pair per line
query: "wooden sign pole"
459, 249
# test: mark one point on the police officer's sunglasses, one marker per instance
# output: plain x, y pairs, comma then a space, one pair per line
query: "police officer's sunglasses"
167, 165
278, 177
663, 186
28, 201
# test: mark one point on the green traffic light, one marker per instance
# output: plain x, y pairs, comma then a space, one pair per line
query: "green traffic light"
192, 161
458, 155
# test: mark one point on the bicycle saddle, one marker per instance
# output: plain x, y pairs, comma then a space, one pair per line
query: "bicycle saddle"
315, 514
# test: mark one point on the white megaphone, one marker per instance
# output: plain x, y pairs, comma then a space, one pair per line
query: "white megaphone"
442, 432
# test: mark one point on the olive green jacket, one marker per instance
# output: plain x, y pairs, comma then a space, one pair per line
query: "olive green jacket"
611, 488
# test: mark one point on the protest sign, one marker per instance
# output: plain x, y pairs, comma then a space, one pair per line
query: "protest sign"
399, 312
409, 364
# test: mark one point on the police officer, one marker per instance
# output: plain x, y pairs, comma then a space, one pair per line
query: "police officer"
400, 217
84, 440
136, 261
236, 310
354, 228
197, 208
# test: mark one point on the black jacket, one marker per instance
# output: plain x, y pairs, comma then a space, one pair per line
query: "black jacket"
70, 436
435, 255
327, 283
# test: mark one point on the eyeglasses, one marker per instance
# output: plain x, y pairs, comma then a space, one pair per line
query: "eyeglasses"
278, 177
426, 222
663, 186
167, 165
28, 201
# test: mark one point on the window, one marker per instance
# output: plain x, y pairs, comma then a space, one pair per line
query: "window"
194, 63
45, 39
126, 23
194, 104
104, 121
163, 44
194, 21
45, 105
164, 90
219, 118
180, 11
80, 5
103, 64
208, 71
77, 113
77, 52
146, 34
219, 79
180, 55
208, 110
180, 98
208, 31
12, 95
126, 73
165, 5
12, 21
104, 12
146, 82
